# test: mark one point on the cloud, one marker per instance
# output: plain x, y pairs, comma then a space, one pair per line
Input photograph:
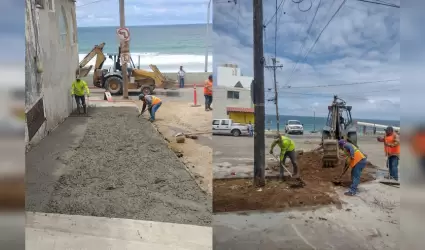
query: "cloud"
361, 44
158, 12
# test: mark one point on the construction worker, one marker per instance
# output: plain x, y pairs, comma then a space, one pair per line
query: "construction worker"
78, 89
417, 144
287, 149
152, 103
392, 151
355, 160
208, 93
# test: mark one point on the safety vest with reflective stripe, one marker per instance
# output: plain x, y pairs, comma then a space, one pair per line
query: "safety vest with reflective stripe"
358, 156
391, 150
155, 100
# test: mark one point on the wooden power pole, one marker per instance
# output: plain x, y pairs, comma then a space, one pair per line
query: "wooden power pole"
258, 95
124, 51
274, 67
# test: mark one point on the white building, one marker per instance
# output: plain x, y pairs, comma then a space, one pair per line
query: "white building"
50, 64
232, 92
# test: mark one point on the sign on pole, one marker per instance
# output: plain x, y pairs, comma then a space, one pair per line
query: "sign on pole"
123, 34
125, 57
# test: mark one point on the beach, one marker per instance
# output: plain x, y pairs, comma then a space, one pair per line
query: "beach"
167, 47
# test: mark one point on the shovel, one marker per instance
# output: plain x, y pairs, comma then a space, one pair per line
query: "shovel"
338, 181
300, 183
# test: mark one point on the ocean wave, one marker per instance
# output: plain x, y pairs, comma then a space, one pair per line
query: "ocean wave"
165, 62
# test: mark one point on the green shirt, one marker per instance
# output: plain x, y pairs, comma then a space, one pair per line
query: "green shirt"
79, 88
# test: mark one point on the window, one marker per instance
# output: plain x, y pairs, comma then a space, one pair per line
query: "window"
51, 5
232, 94
216, 122
225, 122
294, 123
39, 4
63, 28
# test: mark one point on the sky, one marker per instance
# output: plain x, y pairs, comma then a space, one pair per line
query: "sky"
138, 12
361, 44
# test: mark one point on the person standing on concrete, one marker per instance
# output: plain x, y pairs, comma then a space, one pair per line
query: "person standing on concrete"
287, 149
78, 89
208, 93
250, 129
152, 103
180, 76
392, 151
356, 160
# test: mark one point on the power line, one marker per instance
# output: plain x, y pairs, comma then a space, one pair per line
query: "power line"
318, 37
274, 15
305, 39
90, 3
380, 3
341, 84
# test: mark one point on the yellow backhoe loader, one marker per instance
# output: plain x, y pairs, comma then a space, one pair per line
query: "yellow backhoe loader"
111, 79
339, 125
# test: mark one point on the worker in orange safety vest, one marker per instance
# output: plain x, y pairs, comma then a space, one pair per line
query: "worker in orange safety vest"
208, 93
417, 144
392, 151
152, 103
355, 160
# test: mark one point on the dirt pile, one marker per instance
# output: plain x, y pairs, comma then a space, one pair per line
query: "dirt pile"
240, 195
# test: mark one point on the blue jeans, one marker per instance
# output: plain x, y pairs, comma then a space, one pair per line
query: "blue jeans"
181, 82
251, 132
154, 109
393, 166
356, 173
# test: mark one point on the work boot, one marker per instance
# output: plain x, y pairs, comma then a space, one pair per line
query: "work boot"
85, 109
209, 107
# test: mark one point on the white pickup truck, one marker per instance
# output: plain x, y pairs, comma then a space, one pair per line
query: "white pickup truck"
228, 127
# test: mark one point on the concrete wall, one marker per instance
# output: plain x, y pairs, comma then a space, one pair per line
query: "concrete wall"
221, 102
51, 39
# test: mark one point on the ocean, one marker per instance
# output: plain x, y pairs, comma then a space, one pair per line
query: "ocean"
311, 123
168, 47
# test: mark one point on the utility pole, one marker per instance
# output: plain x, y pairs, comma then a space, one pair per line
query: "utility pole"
207, 36
123, 50
258, 93
274, 67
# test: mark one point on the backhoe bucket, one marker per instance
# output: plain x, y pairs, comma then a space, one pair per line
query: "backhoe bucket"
83, 72
330, 153
166, 82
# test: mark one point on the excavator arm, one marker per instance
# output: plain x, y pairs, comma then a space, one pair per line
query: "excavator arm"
97, 51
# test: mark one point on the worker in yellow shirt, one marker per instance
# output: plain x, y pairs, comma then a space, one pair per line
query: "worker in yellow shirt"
287, 149
78, 90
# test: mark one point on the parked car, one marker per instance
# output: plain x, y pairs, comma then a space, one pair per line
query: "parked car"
228, 127
294, 127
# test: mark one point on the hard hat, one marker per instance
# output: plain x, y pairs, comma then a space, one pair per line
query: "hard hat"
141, 96
341, 142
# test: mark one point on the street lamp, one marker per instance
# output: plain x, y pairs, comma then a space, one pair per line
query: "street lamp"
207, 36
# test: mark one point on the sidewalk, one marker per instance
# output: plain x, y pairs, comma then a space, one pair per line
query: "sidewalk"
59, 231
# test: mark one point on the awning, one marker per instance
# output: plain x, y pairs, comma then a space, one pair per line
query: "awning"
240, 110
